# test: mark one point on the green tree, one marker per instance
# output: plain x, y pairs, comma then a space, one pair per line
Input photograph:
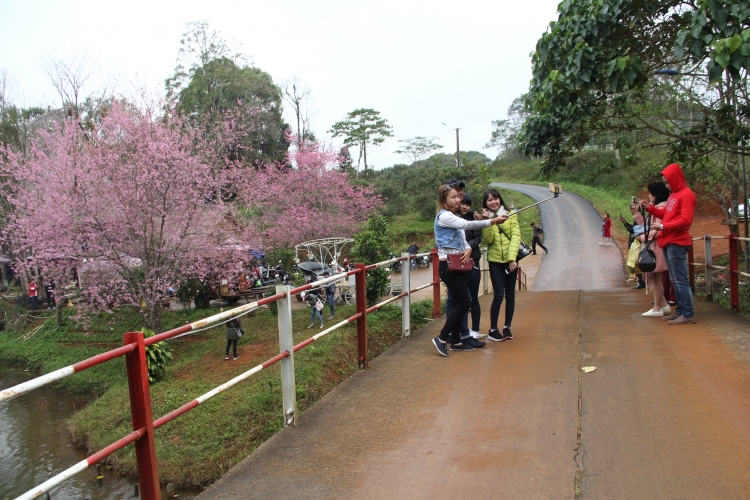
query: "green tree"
418, 148
218, 81
371, 245
362, 127
505, 132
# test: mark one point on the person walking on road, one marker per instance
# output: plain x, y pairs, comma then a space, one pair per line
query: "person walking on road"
537, 238
606, 231
502, 242
658, 195
450, 240
675, 239
234, 332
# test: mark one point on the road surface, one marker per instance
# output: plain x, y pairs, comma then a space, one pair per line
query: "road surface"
572, 231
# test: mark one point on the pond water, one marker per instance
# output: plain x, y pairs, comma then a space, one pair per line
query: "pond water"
35, 445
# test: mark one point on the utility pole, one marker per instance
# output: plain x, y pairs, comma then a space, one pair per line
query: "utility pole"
458, 153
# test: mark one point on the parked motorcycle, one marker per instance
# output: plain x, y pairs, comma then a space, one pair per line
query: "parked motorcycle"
423, 261
396, 266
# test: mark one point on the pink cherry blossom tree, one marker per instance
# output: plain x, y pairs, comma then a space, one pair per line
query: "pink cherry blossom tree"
307, 197
133, 204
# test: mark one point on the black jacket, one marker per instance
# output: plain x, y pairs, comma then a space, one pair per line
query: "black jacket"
473, 238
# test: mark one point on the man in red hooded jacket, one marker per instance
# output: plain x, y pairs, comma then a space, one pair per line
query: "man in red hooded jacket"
675, 239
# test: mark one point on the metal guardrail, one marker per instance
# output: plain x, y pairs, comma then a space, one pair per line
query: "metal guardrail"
134, 351
709, 266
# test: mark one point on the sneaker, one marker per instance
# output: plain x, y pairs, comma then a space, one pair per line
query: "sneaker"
639, 286
321, 326
330, 317
666, 309
495, 335
475, 334
226, 358
601, 244
462, 346
311, 325
440, 346
236, 357
474, 343
670, 317
546, 250
652, 313
682, 320
506, 334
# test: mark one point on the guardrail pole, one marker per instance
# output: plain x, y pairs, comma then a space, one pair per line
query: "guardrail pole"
140, 409
436, 286
485, 272
286, 343
734, 276
361, 276
691, 268
709, 267
406, 300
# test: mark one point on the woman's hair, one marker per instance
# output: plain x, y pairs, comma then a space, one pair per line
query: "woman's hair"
466, 200
443, 191
659, 191
605, 213
495, 194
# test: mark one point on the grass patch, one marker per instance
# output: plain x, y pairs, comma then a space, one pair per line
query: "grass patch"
198, 447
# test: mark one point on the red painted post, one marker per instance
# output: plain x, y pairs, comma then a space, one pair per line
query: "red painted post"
691, 268
360, 278
436, 286
140, 409
734, 276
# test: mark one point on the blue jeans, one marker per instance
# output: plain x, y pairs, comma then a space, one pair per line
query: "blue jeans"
330, 299
314, 313
677, 263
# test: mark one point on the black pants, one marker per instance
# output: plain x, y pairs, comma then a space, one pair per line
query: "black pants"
475, 276
504, 286
458, 285
51, 300
534, 242
233, 344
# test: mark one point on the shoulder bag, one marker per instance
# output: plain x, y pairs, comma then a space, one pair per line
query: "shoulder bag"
523, 249
455, 265
647, 257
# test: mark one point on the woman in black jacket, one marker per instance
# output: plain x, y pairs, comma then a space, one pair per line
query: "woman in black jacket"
473, 238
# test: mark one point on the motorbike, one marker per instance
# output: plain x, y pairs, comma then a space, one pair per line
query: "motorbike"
396, 266
423, 261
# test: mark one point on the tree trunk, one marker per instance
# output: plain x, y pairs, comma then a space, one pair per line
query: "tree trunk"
364, 149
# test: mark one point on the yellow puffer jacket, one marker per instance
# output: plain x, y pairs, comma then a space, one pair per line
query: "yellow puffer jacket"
503, 246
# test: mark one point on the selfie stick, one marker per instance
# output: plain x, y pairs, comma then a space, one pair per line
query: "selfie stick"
556, 189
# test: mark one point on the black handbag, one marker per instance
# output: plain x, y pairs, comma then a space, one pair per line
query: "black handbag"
523, 248
647, 257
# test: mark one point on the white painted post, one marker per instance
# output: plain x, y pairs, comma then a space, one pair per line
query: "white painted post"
485, 272
286, 343
406, 301
709, 269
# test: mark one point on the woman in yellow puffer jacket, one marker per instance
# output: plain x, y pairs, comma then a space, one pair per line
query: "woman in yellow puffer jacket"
502, 242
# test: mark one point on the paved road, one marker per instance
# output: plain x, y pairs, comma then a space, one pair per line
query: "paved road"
572, 230
663, 416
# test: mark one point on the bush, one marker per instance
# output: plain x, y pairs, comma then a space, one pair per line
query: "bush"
158, 356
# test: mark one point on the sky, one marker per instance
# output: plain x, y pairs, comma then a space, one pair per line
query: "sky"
419, 63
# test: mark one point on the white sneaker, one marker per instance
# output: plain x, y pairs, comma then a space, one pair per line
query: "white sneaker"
651, 312
321, 326
666, 309
311, 325
476, 335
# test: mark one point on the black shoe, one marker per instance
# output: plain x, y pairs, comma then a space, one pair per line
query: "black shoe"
639, 286
534, 253
440, 346
474, 342
463, 346
546, 250
506, 334
495, 335
236, 357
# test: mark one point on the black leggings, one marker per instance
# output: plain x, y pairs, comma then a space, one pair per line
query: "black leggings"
233, 344
504, 285
458, 285
475, 276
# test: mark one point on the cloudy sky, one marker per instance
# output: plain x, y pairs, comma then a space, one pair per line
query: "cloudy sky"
419, 63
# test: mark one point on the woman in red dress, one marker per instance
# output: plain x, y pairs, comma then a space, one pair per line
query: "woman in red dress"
606, 231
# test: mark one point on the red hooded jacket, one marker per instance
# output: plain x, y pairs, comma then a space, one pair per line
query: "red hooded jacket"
677, 215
